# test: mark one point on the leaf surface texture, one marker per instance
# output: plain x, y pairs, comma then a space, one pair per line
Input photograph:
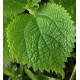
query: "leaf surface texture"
14, 6
43, 42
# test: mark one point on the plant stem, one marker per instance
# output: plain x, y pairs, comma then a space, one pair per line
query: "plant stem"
21, 70
31, 11
73, 76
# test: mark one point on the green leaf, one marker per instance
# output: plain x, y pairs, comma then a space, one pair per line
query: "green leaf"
43, 77
18, 6
43, 42
69, 5
37, 77
36, 1
66, 3
18, 45
14, 6
7, 56
8, 73
30, 74
33, 1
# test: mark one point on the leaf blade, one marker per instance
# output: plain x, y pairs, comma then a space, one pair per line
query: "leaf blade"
8, 73
30, 74
47, 39
13, 7
7, 56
